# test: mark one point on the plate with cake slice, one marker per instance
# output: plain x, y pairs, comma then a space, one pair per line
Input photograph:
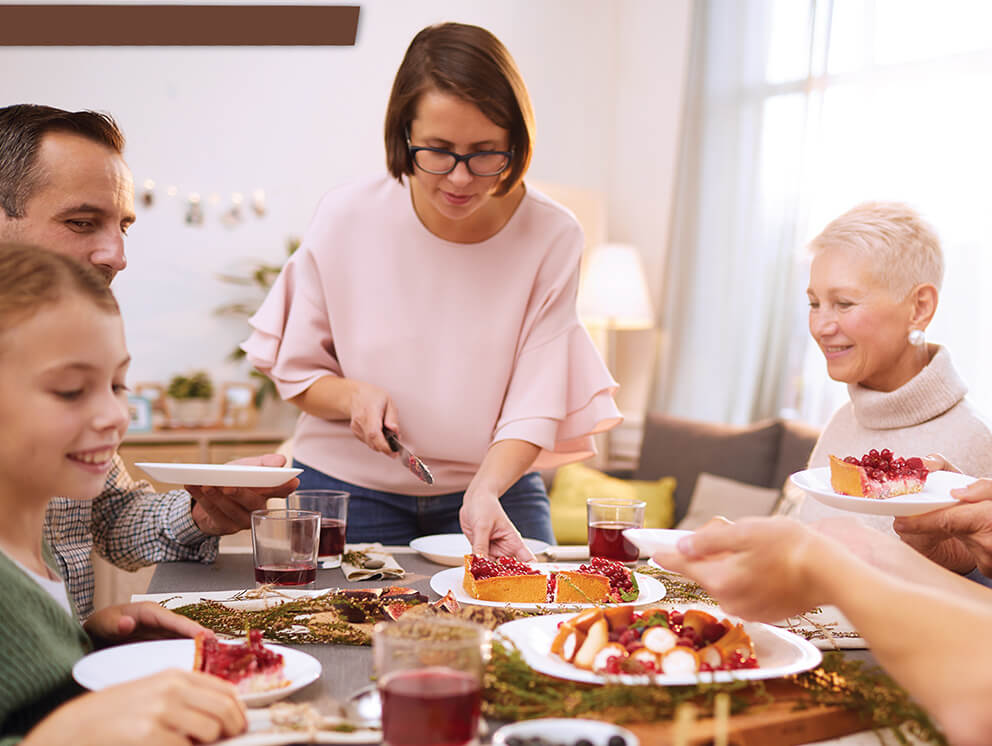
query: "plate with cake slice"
848, 484
275, 672
510, 583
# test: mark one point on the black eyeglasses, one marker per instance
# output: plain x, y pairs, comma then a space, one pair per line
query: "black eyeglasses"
440, 161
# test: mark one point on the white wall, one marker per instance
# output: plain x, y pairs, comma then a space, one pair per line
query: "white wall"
605, 77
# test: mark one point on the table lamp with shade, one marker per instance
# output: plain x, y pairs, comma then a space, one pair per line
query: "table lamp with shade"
613, 296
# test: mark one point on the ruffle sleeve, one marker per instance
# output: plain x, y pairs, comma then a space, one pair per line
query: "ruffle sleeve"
292, 342
560, 396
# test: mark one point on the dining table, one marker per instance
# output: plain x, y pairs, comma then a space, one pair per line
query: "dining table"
346, 669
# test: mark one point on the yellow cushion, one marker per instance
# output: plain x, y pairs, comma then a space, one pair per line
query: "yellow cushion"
573, 483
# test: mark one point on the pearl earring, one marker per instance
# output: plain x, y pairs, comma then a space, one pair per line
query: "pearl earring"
917, 337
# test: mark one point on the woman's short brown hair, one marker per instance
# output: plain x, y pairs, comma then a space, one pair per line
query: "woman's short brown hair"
470, 63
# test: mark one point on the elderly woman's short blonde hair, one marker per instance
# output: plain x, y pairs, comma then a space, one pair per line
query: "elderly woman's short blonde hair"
902, 248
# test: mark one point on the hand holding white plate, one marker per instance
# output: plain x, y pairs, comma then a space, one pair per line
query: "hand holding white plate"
219, 475
449, 549
124, 663
651, 540
935, 494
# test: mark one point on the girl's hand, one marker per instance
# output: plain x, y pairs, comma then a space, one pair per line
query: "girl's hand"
172, 707
138, 621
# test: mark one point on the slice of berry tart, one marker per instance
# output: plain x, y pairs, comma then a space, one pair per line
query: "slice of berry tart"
877, 475
249, 665
602, 580
508, 580
503, 579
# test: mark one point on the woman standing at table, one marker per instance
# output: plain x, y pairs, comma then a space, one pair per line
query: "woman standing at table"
438, 301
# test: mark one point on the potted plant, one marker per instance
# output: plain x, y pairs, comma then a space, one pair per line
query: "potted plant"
190, 399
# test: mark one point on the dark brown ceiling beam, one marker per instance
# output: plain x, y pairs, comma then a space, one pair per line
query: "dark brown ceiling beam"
177, 25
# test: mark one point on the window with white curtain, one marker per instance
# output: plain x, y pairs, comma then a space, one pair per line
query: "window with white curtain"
898, 106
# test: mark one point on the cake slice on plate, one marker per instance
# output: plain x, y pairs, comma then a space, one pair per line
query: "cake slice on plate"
877, 475
249, 665
508, 580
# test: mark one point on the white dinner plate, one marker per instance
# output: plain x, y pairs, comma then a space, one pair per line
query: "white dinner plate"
219, 475
449, 549
651, 590
779, 653
124, 663
651, 540
564, 730
935, 494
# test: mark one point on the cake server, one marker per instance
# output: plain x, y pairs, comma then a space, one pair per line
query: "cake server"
410, 460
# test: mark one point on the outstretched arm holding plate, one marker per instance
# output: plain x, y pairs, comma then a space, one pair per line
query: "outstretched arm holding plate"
927, 637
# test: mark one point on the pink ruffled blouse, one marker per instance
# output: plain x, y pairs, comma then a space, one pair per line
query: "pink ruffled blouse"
475, 343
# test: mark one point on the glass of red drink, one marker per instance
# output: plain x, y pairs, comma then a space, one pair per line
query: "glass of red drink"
333, 508
608, 517
429, 675
284, 543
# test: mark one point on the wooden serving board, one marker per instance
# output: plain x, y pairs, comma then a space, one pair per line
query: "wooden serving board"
775, 724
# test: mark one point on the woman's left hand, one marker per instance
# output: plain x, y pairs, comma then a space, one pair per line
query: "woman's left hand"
489, 530
138, 621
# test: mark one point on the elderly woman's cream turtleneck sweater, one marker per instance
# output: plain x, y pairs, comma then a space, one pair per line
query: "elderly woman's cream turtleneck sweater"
928, 414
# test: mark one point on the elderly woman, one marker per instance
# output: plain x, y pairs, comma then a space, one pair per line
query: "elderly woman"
873, 289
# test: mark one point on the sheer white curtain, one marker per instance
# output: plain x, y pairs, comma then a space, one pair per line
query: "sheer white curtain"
730, 284
803, 109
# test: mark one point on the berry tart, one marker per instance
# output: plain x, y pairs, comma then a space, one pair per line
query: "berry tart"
601, 580
877, 475
652, 641
249, 665
503, 579
508, 580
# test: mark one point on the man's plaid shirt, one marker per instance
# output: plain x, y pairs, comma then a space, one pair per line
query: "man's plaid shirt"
128, 524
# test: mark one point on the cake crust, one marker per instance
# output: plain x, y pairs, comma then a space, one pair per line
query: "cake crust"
877, 475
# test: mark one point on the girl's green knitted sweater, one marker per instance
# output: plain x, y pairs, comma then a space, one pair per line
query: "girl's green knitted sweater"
39, 644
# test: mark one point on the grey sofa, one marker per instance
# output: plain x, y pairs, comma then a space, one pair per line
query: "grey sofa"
763, 454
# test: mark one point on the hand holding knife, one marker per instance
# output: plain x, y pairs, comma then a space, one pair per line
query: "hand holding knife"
410, 460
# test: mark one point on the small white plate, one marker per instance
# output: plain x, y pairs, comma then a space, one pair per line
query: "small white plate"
124, 663
449, 549
565, 730
779, 653
651, 540
935, 494
219, 475
651, 590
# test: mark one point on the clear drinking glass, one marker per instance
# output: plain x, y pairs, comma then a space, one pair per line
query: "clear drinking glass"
284, 543
430, 680
607, 519
333, 508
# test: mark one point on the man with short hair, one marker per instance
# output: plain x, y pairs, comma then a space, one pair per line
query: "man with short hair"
64, 186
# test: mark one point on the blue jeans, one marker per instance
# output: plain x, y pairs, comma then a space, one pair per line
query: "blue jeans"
390, 518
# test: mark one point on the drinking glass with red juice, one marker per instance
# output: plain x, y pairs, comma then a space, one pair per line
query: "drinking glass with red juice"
333, 508
284, 545
430, 680
607, 519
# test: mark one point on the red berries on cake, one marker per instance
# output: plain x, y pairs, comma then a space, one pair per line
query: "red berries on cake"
877, 474
249, 665
508, 580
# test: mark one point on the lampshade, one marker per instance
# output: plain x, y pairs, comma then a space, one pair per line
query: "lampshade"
613, 292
